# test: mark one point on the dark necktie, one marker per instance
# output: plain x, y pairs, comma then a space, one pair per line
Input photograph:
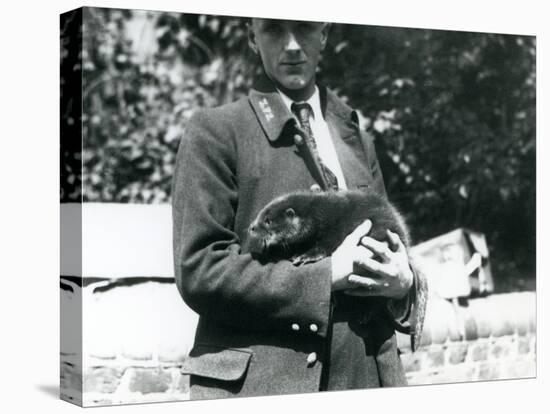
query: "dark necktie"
303, 112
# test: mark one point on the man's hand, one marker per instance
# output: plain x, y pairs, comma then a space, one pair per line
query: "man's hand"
354, 258
347, 255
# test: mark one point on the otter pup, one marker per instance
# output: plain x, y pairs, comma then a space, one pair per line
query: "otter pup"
305, 226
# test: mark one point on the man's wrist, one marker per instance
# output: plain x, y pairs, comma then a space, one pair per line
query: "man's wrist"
406, 282
399, 308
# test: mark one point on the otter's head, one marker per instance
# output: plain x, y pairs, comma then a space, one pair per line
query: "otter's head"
283, 227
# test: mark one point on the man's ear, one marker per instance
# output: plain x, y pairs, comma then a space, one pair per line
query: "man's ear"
324, 34
252, 37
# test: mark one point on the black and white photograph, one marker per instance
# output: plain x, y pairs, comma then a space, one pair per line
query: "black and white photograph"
221, 202
271, 206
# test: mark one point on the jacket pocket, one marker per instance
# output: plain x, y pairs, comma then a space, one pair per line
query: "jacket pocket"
211, 361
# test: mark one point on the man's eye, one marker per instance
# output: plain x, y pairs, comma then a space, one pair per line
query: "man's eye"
306, 27
272, 28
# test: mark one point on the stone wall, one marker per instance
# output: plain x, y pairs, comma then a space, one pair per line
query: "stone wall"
481, 339
136, 336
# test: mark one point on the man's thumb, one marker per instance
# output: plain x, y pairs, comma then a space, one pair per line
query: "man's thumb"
360, 231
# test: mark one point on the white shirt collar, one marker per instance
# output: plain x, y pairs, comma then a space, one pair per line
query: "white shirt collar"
321, 134
314, 101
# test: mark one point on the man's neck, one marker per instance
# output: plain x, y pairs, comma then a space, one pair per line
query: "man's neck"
298, 95
314, 101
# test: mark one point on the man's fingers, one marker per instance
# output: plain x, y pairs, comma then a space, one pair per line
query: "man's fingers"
395, 240
363, 281
366, 286
359, 232
379, 248
362, 252
384, 270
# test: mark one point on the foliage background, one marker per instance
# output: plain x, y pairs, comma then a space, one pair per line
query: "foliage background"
453, 114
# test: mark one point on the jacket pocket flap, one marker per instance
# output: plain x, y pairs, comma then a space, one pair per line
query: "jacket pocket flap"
216, 362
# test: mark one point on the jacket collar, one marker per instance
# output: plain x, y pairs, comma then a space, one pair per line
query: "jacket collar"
274, 116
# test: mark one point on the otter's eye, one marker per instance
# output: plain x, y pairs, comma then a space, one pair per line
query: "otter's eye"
267, 222
290, 212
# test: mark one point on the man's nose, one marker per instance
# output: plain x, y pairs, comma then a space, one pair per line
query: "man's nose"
292, 43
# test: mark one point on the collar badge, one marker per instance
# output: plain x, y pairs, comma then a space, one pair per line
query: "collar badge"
266, 109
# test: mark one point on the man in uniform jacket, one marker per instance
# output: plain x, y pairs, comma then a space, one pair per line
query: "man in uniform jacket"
274, 328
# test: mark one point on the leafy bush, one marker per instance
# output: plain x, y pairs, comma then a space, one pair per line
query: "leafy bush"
138, 96
453, 114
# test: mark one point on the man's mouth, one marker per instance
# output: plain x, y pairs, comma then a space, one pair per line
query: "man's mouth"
293, 63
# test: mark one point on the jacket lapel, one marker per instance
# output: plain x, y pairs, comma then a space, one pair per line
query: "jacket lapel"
269, 108
350, 156
273, 116
344, 130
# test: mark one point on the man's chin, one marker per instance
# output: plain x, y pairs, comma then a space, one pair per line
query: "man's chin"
294, 83
295, 86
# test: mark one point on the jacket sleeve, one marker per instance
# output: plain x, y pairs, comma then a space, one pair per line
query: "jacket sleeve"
213, 276
407, 314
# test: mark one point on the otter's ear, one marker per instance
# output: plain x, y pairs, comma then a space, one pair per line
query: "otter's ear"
290, 212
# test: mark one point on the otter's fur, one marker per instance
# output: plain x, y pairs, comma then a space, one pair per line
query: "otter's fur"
305, 226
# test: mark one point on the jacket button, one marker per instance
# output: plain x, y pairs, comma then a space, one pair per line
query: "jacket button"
311, 358
313, 327
315, 187
298, 139
295, 327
